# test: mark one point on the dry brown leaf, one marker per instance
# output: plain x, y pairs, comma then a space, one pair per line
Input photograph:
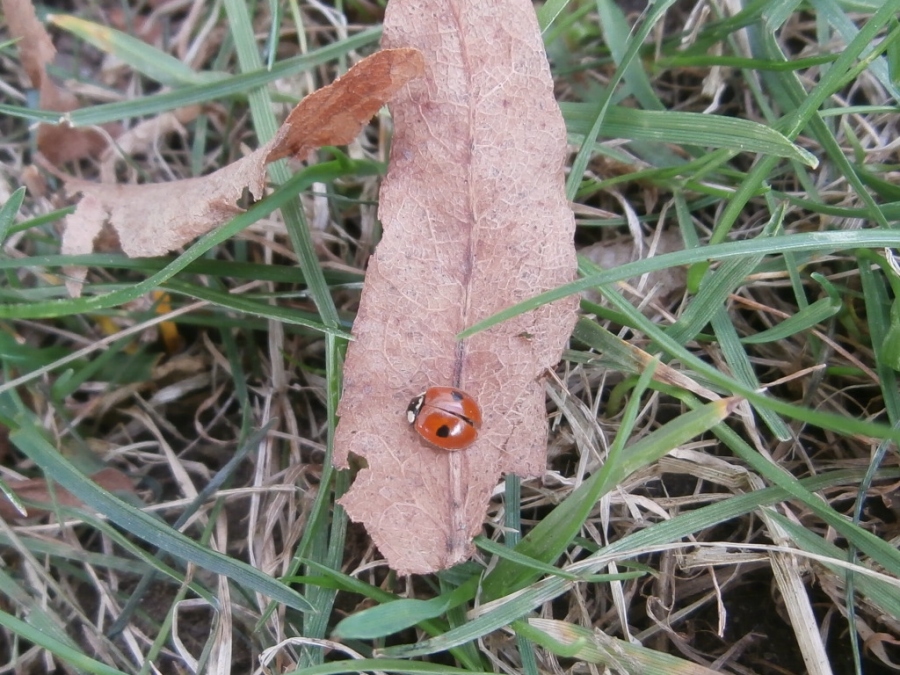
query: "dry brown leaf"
144, 136
36, 49
36, 490
475, 219
334, 115
58, 143
157, 218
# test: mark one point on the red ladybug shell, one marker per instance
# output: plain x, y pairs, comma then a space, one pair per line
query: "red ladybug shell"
446, 417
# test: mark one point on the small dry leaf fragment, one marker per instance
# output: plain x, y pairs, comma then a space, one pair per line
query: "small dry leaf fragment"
334, 115
36, 490
36, 49
156, 218
475, 219
58, 143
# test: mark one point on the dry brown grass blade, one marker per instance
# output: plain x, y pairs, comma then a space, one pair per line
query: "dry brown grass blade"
475, 219
156, 218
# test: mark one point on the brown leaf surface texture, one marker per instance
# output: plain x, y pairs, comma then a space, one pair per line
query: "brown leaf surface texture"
156, 218
475, 219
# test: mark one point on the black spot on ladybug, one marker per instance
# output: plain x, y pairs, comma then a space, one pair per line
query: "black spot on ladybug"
457, 395
442, 431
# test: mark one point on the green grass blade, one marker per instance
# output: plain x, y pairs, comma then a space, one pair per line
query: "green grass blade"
341, 581
616, 31
877, 302
838, 423
656, 13
221, 268
804, 106
69, 655
392, 617
809, 242
37, 616
324, 543
881, 551
259, 308
9, 211
742, 369
233, 86
400, 666
836, 14
547, 13
134, 52
711, 297
884, 594
286, 193
145, 526
807, 318
577, 642
661, 534
686, 129
549, 538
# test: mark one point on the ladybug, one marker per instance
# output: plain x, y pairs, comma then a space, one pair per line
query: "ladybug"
446, 417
